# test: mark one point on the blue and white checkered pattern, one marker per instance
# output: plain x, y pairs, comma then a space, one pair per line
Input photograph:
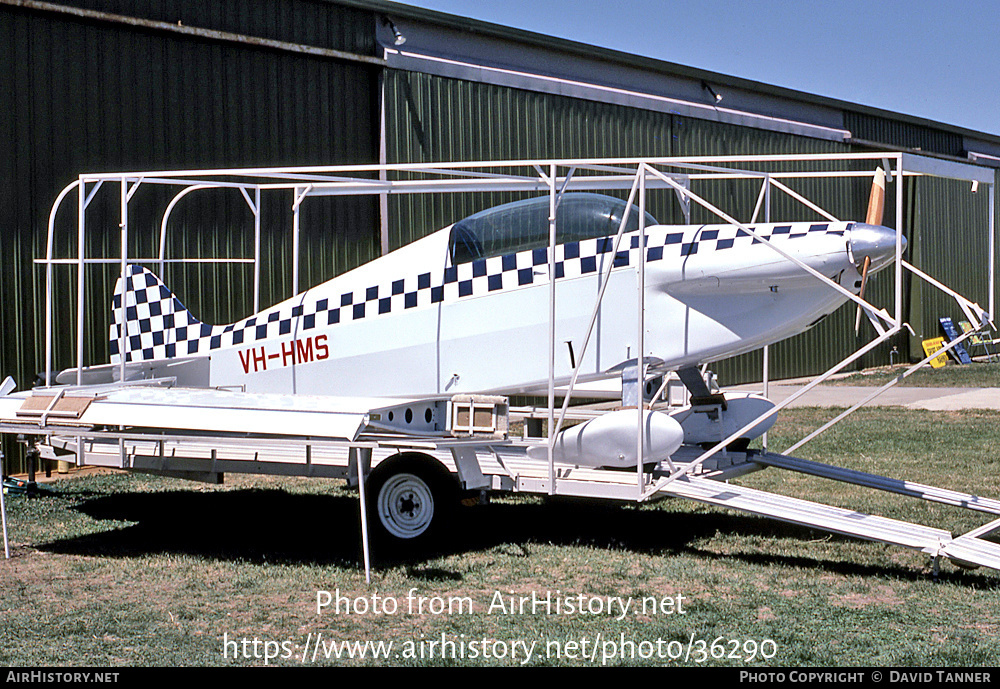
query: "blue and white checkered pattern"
159, 327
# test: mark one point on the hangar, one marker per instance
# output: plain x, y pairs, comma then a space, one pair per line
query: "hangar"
115, 85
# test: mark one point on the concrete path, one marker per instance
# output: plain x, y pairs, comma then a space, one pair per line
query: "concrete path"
937, 399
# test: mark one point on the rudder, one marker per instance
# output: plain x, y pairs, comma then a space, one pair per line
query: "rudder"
157, 325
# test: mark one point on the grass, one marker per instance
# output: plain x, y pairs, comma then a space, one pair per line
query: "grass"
975, 375
125, 570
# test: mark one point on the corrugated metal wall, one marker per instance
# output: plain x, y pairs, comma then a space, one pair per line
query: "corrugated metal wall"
80, 95
431, 119
316, 23
949, 242
903, 135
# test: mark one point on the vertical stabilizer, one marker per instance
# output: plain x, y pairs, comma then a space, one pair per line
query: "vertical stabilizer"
157, 326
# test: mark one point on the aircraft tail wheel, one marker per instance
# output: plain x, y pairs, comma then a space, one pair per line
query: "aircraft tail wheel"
412, 497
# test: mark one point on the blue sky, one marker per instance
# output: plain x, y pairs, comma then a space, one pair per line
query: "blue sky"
936, 60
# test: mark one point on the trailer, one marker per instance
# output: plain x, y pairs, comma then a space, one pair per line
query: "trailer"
412, 458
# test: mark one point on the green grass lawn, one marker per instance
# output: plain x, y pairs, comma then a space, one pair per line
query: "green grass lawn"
135, 570
975, 375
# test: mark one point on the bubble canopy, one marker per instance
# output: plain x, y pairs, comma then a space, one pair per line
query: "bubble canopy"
524, 225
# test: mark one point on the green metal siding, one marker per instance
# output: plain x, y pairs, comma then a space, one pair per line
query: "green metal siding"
950, 243
317, 23
433, 118
92, 96
903, 135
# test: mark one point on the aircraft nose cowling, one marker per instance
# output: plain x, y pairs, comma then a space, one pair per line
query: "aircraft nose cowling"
610, 440
874, 241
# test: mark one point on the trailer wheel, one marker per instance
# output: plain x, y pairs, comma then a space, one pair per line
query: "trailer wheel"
412, 497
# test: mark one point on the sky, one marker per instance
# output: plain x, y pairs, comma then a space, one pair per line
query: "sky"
935, 60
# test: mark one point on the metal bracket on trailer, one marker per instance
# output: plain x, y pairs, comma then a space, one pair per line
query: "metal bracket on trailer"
469, 471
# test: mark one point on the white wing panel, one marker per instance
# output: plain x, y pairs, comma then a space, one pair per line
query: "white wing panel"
217, 411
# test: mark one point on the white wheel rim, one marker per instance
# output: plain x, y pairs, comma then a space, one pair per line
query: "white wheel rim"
405, 506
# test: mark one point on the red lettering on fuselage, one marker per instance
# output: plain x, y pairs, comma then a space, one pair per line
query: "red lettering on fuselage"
252, 357
304, 350
289, 353
259, 359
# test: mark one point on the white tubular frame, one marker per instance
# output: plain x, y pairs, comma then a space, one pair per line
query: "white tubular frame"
554, 177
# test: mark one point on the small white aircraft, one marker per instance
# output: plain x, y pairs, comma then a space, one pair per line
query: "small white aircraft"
466, 310
386, 364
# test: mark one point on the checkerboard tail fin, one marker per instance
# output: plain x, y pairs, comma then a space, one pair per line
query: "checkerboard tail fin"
155, 320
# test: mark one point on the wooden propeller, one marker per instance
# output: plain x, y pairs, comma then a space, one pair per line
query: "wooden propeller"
876, 199
876, 210
861, 294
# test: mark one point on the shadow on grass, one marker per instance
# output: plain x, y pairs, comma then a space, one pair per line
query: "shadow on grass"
273, 526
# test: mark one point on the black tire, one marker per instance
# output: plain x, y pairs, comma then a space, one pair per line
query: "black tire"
411, 501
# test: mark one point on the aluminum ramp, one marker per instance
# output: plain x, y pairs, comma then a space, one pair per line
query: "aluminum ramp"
964, 550
891, 485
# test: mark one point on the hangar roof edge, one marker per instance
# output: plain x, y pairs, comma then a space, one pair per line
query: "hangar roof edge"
590, 52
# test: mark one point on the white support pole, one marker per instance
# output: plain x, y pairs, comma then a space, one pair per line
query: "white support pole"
256, 251
605, 279
355, 456
640, 357
254, 206
840, 417
81, 258
766, 373
552, 328
300, 195
767, 199
383, 197
763, 199
691, 467
49, 241
898, 266
134, 188
992, 250
122, 323
3, 513
295, 243
166, 216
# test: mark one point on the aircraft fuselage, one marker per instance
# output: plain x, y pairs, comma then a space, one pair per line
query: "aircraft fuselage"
415, 323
